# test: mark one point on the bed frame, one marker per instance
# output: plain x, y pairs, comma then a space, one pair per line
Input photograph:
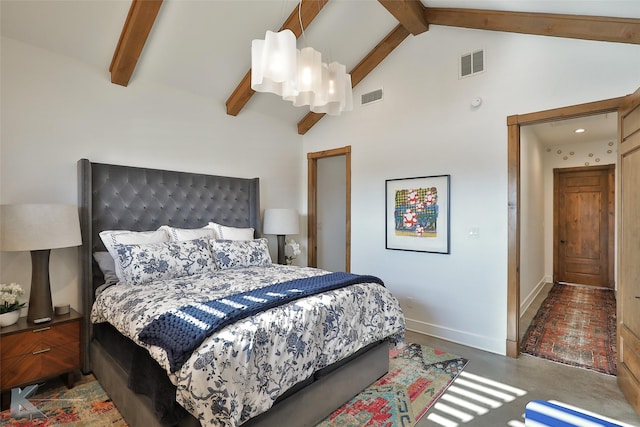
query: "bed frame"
113, 197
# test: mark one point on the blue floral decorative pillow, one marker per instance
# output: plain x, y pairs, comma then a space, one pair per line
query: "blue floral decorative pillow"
142, 264
240, 253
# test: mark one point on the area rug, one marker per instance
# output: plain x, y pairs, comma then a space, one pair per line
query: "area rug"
418, 375
85, 405
576, 325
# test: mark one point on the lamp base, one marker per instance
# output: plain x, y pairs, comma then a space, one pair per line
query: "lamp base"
281, 259
40, 305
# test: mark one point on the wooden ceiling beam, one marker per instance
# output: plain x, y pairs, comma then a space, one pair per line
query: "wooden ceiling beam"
142, 15
360, 71
600, 28
243, 92
409, 13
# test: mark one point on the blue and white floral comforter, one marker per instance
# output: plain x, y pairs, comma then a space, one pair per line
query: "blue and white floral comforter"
238, 372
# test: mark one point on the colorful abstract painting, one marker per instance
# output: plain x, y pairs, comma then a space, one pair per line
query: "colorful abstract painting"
417, 217
416, 212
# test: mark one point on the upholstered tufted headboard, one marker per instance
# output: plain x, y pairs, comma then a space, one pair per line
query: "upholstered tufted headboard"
113, 197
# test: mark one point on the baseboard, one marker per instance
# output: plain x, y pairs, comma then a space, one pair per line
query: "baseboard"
481, 342
524, 306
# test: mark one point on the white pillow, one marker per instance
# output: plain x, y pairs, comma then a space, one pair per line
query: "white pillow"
222, 232
240, 253
111, 238
181, 234
161, 261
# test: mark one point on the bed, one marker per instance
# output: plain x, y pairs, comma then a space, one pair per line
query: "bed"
151, 382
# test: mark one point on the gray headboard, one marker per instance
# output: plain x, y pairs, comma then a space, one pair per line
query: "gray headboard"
113, 197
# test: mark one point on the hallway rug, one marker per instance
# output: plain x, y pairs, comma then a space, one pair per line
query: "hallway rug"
418, 376
576, 325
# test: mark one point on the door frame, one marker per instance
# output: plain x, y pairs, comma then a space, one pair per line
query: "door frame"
514, 123
312, 204
610, 169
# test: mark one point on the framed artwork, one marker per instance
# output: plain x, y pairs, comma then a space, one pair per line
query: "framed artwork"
417, 214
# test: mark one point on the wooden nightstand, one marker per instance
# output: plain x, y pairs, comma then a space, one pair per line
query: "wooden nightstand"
31, 353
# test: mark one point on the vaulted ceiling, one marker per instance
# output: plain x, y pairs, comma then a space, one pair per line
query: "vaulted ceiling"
203, 46
413, 19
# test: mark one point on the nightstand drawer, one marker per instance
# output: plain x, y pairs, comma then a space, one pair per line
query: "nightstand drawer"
32, 352
40, 363
39, 338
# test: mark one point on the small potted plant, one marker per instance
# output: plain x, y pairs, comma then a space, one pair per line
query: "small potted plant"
9, 304
291, 251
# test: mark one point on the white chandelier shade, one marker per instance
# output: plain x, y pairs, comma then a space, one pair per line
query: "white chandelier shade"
337, 92
273, 63
299, 76
309, 74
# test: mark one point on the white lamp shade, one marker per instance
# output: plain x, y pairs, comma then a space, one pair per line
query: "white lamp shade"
281, 221
28, 227
339, 94
273, 63
309, 77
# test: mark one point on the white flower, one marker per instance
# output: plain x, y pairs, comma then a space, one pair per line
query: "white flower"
9, 297
291, 250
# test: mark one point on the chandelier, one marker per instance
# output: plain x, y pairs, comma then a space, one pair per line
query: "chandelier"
299, 76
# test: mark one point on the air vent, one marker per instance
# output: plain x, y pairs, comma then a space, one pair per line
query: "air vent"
370, 97
472, 63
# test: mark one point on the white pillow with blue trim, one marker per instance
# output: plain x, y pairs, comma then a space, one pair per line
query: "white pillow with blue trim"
111, 238
223, 232
181, 234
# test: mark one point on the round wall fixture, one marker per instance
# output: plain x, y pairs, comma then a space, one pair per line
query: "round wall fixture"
476, 102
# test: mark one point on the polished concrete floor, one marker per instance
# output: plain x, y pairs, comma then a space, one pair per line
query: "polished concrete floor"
533, 378
505, 385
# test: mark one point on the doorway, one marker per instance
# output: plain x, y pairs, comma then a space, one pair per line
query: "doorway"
514, 124
318, 215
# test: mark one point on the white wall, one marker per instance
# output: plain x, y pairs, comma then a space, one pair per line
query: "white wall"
532, 218
56, 110
426, 126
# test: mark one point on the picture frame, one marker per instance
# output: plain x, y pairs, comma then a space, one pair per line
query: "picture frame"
417, 214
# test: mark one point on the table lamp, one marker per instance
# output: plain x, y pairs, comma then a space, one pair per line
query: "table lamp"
281, 222
39, 228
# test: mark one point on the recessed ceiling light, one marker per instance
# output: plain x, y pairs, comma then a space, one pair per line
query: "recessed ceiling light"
580, 130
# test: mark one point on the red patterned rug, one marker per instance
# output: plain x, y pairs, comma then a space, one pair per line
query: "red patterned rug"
576, 325
417, 377
85, 405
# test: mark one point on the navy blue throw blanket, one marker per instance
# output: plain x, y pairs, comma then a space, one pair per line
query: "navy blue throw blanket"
179, 337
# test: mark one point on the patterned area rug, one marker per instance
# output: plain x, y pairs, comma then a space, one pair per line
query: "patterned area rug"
418, 375
576, 325
85, 405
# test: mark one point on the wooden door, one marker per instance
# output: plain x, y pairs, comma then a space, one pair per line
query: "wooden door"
629, 251
583, 225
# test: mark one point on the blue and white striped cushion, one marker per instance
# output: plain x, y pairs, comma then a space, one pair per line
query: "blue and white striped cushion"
540, 413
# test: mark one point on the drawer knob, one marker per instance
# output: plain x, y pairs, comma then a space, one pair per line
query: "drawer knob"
42, 329
41, 351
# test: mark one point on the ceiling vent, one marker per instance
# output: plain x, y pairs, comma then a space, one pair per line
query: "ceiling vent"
472, 63
374, 96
